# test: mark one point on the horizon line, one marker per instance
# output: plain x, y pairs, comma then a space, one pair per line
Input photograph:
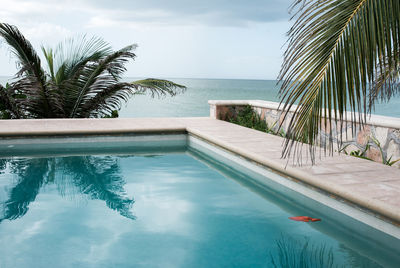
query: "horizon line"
171, 77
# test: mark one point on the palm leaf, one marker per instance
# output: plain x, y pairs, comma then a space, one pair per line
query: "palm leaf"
22, 49
107, 100
158, 87
32, 80
72, 55
334, 50
99, 76
111, 98
386, 84
49, 56
8, 102
68, 66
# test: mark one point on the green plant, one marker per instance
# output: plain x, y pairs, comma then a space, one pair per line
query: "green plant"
389, 161
247, 117
363, 153
357, 153
114, 114
385, 161
342, 55
7, 101
82, 78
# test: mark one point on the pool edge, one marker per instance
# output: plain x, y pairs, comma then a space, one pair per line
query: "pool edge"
200, 127
335, 202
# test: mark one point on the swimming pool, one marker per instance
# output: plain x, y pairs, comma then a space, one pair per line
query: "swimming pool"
166, 201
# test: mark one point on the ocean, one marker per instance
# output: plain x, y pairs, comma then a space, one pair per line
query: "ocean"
194, 102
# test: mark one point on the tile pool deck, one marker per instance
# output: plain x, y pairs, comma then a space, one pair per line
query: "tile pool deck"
370, 185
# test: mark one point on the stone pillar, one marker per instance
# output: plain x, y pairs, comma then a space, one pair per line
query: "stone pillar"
213, 111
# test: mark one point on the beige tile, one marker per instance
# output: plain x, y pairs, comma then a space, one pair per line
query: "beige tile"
393, 200
374, 190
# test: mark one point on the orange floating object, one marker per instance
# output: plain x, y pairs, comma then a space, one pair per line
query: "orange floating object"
304, 218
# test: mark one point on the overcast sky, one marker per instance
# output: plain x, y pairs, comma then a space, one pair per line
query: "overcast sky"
176, 38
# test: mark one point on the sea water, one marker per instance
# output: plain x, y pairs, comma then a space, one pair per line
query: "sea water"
194, 102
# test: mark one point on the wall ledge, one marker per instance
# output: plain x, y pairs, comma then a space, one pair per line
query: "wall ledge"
376, 120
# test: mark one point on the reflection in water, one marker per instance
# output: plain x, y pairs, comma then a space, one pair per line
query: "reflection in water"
94, 176
301, 253
294, 253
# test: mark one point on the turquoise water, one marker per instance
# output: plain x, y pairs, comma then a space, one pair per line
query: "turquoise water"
194, 101
156, 209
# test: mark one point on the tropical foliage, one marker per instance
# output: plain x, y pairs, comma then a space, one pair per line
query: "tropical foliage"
342, 55
247, 117
386, 160
82, 78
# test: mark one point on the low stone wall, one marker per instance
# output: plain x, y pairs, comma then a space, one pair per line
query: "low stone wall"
380, 133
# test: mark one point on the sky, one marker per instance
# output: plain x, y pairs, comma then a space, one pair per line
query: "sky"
232, 39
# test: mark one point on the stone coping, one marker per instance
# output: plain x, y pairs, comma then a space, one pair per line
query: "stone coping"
373, 119
35, 127
370, 185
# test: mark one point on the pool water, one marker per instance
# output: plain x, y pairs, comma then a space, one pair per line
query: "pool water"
171, 208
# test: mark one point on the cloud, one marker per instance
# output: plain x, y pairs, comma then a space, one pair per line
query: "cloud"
47, 31
175, 12
224, 10
176, 37
101, 13
10, 9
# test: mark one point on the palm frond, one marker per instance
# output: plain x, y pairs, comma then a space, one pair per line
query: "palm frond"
111, 98
69, 62
8, 102
28, 60
158, 87
334, 50
74, 54
107, 100
99, 76
40, 101
386, 84
49, 56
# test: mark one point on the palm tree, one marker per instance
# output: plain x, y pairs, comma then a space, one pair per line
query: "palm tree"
342, 55
82, 79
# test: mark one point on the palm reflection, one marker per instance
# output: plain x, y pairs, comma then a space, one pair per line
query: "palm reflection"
97, 177
303, 253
